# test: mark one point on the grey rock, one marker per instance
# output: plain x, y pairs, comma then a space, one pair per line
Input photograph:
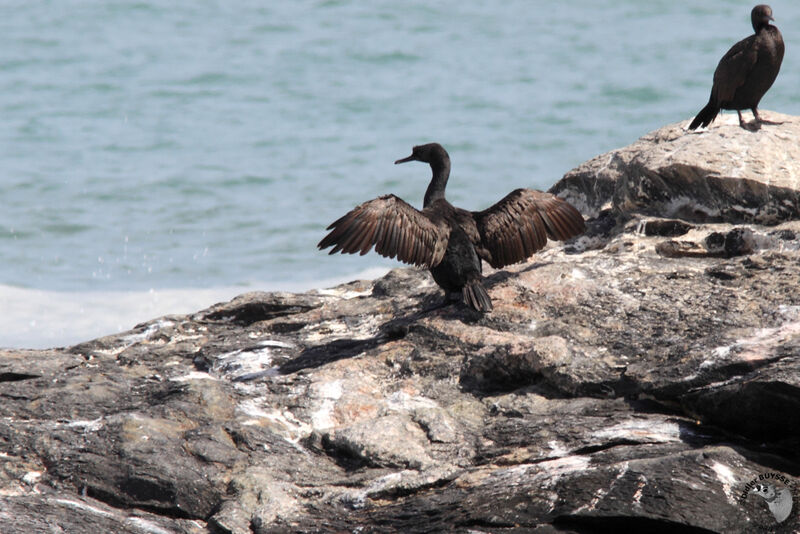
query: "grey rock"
390, 440
636, 378
710, 176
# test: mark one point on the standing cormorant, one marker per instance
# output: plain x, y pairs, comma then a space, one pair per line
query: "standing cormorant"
450, 241
746, 72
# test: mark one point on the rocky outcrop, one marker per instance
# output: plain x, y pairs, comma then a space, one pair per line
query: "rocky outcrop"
723, 174
637, 378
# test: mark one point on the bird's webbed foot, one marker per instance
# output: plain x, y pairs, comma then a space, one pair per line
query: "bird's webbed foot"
771, 123
759, 120
750, 126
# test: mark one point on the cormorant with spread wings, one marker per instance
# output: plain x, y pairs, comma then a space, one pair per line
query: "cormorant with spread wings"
450, 241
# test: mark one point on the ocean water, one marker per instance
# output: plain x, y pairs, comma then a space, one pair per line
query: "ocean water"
157, 157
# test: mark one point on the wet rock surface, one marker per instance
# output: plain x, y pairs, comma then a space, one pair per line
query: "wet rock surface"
636, 378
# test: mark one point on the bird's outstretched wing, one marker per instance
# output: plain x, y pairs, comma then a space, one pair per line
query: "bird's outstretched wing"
733, 69
518, 225
396, 228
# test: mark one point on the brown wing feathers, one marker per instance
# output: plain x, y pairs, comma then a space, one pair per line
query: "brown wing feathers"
562, 220
518, 225
394, 227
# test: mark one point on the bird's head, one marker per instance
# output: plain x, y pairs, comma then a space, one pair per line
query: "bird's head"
760, 16
432, 153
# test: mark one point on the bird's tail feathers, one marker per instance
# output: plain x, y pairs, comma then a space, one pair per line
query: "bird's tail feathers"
476, 297
706, 115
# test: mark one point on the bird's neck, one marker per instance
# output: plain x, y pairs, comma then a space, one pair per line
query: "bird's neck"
441, 172
761, 26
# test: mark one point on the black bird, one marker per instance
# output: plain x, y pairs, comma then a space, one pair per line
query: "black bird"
746, 72
450, 241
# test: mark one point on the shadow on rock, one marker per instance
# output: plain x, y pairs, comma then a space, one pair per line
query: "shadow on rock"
314, 357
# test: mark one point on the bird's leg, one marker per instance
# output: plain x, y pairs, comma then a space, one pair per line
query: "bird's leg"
760, 121
752, 127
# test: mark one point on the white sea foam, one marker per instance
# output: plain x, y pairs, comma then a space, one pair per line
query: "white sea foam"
40, 319
36, 319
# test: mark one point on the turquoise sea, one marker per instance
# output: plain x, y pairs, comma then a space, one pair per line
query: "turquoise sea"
157, 157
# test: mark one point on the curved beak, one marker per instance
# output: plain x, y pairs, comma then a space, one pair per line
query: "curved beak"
409, 158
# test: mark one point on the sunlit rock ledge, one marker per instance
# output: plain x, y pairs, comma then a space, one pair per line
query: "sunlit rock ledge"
724, 173
639, 376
